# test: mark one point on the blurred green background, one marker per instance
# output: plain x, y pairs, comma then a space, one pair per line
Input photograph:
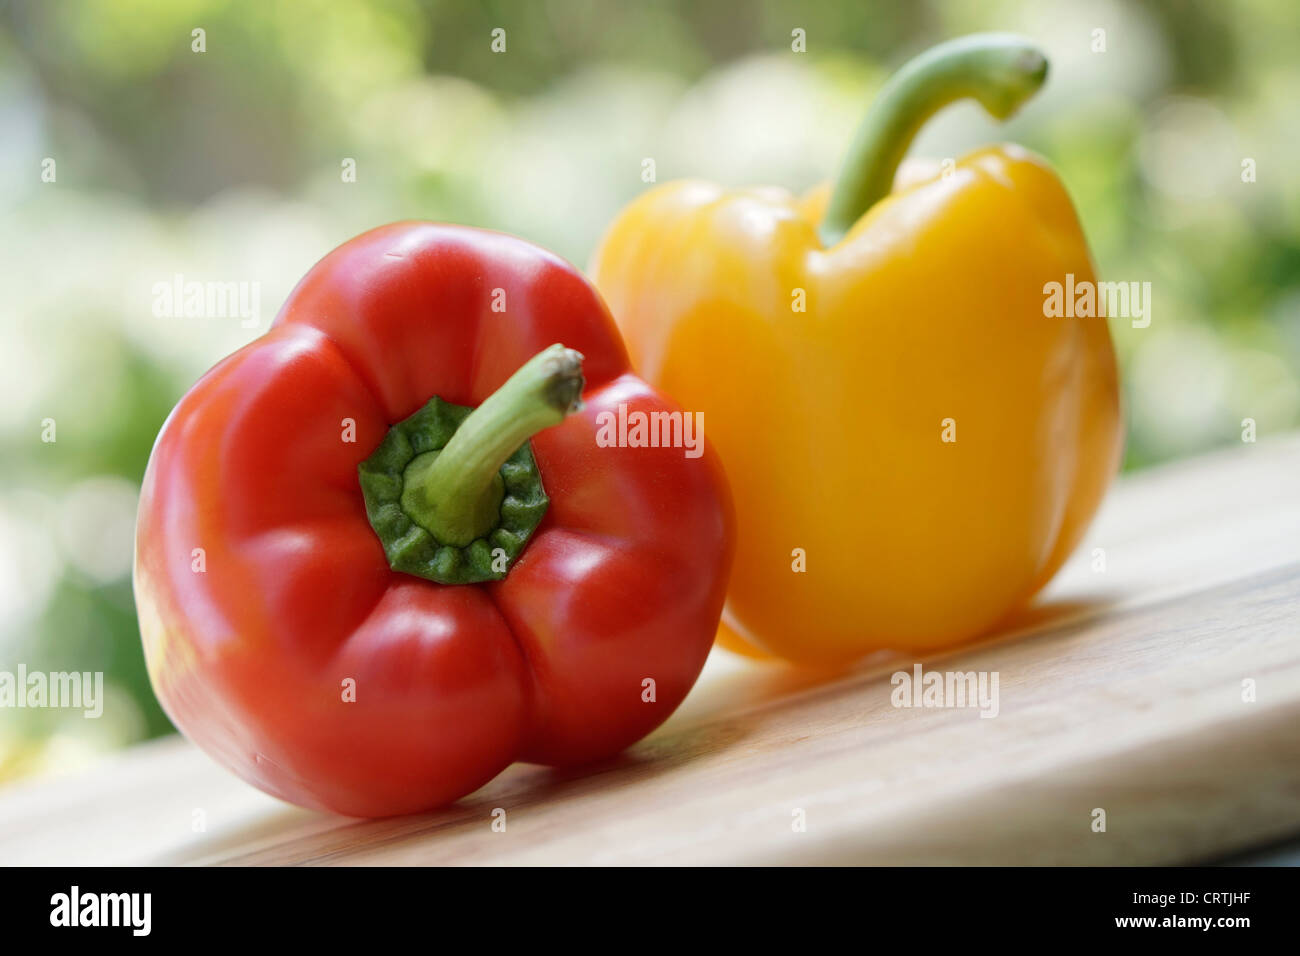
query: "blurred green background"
225, 166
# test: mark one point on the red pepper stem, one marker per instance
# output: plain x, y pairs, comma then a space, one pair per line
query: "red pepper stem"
456, 492
999, 70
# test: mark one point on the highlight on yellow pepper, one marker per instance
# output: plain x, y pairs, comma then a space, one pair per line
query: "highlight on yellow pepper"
914, 446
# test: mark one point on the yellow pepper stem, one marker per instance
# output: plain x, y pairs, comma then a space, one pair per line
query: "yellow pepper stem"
999, 70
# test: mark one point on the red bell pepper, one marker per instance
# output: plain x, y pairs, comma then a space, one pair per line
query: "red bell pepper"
307, 496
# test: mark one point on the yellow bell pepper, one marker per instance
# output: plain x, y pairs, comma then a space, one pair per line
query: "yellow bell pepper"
914, 446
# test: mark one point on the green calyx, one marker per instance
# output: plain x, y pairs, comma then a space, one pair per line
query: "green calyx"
998, 70
454, 493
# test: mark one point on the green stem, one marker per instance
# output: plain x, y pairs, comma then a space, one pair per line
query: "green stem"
456, 492
999, 70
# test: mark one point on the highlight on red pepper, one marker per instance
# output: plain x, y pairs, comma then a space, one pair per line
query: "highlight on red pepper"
380, 553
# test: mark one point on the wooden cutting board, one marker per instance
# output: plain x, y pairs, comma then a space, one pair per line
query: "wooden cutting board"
1120, 690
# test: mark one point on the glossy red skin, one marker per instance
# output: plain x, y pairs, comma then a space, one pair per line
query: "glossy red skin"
624, 579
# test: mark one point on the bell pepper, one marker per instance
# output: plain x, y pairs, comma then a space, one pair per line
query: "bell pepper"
380, 553
913, 445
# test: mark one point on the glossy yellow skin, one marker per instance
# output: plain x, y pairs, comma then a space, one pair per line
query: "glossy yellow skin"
830, 421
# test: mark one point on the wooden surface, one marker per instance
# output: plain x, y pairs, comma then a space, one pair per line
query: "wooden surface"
1119, 690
